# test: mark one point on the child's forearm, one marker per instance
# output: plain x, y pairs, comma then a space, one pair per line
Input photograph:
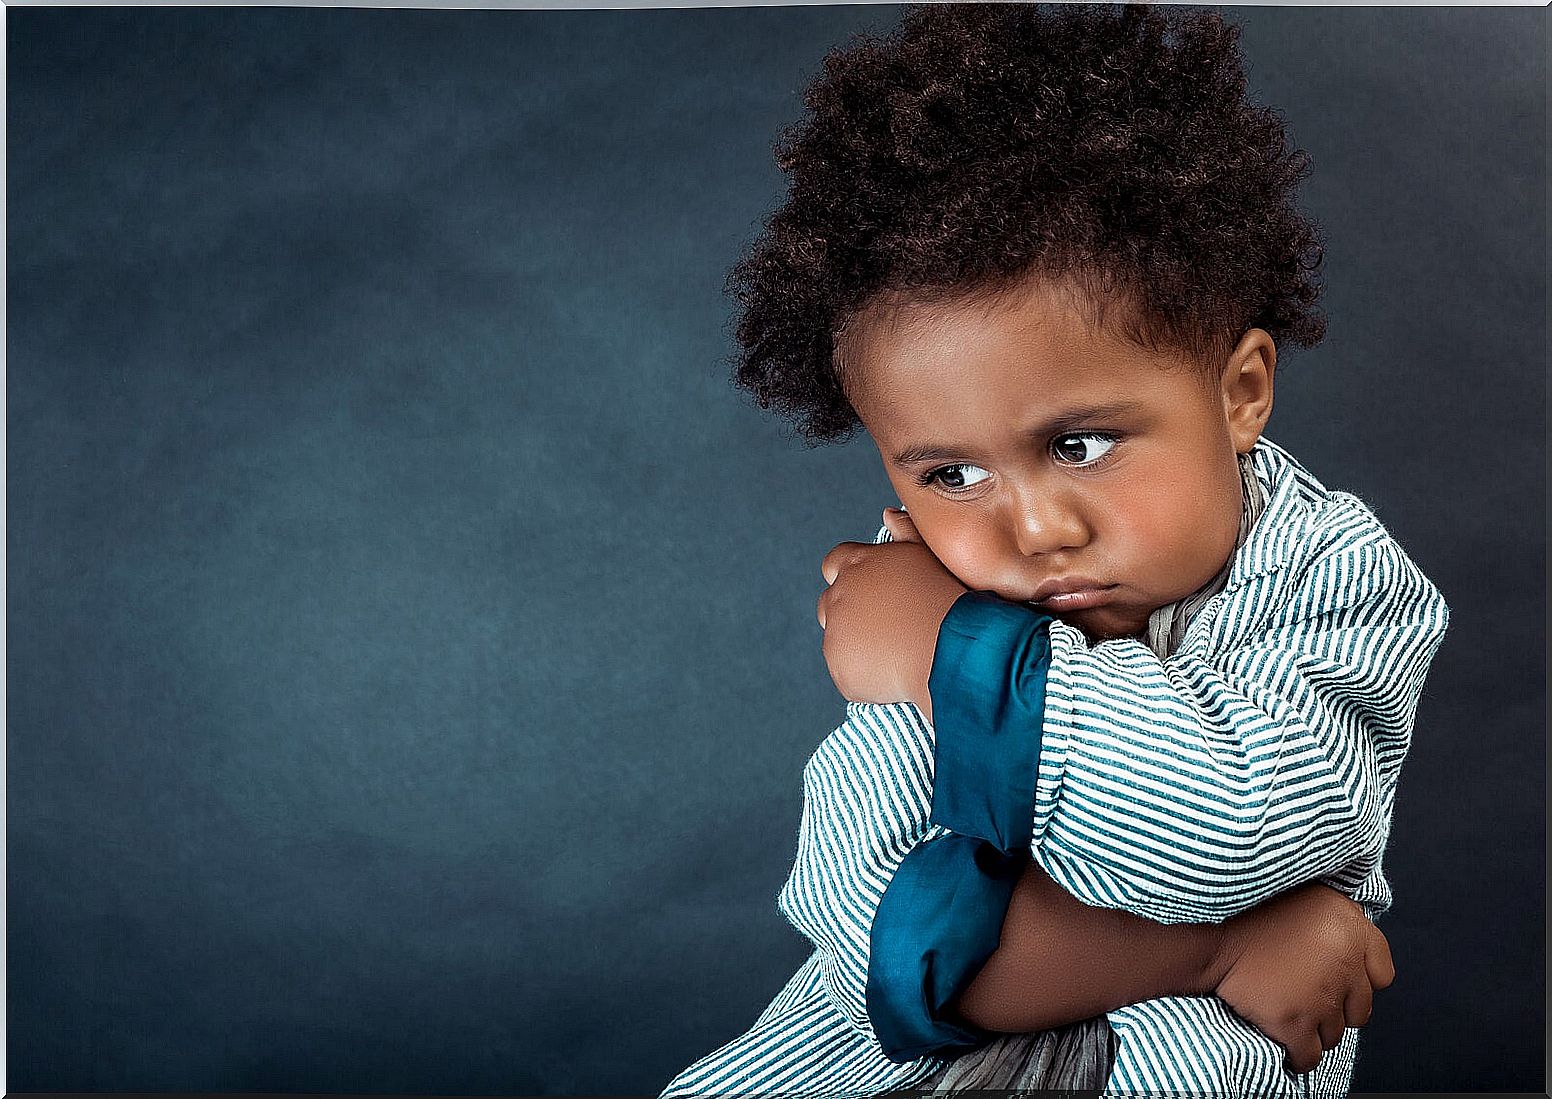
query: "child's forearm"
1061, 960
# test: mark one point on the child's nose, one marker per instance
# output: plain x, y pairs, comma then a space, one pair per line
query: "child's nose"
1047, 524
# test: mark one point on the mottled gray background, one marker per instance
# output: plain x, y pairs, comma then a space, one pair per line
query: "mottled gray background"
411, 640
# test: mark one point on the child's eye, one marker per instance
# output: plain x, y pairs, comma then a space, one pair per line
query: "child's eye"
1081, 449
956, 477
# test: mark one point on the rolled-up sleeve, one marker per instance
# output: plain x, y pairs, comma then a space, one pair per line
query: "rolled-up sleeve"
941, 917
1261, 755
913, 838
988, 698
1195, 788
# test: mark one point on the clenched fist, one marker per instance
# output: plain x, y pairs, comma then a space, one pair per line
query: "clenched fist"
881, 614
1301, 968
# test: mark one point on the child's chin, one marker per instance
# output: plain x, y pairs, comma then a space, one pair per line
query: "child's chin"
1097, 627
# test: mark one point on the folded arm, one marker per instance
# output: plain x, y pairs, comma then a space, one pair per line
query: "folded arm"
1196, 788
1301, 968
866, 796
1237, 780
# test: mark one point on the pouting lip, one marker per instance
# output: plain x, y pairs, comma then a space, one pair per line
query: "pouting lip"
1066, 585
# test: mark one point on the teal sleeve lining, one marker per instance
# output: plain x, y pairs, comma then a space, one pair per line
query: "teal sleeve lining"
941, 916
938, 922
988, 702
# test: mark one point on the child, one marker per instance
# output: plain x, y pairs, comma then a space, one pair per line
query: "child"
1045, 258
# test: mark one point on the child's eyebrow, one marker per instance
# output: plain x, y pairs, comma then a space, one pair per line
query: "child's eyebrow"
1062, 422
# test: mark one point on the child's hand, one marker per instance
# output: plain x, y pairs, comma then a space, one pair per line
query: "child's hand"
1302, 967
881, 615
902, 528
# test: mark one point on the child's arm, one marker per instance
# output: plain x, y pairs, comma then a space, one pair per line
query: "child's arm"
1300, 967
867, 792
1186, 791
1215, 794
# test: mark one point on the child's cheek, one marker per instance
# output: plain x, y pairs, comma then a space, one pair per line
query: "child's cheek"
965, 553
1177, 540
1147, 529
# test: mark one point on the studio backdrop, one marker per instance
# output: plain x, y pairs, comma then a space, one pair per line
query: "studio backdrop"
411, 651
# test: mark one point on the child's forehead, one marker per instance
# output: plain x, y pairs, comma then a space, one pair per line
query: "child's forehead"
1028, 306
1032, 352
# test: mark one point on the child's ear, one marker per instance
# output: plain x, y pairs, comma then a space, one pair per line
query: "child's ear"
1247, 388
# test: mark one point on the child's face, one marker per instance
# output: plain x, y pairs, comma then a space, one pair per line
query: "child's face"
1053, 462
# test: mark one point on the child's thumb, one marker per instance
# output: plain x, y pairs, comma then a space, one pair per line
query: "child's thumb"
1376, 959
901, 528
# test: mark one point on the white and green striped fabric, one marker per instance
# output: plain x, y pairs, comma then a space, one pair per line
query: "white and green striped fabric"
1262, 754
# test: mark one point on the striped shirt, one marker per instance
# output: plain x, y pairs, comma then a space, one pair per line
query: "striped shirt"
1262, 754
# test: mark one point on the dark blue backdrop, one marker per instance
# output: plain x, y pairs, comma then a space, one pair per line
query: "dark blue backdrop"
411, 643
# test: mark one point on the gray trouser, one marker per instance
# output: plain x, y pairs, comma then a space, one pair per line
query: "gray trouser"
1074, 1057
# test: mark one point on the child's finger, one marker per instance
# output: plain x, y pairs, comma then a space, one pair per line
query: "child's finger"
842, 555
1359, 1005
1330, 1030
1376, 959
1303, 1052
901, 527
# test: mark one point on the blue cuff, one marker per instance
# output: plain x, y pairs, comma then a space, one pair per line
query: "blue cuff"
988, 705
938, 922
941, 916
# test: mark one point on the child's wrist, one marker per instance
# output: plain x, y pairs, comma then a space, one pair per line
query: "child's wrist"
922, 690
1226, 944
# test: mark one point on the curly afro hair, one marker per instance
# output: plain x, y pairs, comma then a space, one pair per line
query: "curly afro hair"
983, 144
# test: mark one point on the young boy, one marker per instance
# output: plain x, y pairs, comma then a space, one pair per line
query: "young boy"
1045, 258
